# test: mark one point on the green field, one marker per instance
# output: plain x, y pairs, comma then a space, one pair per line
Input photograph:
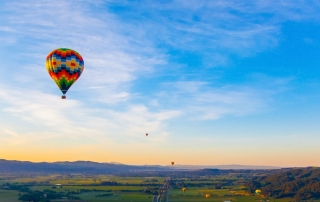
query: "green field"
93, 188
81, 180
129, 189
88, 188
9, 196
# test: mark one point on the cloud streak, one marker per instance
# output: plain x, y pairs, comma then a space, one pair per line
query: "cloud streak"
46, 114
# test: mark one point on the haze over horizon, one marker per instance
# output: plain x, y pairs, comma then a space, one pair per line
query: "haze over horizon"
176, 166
211, 82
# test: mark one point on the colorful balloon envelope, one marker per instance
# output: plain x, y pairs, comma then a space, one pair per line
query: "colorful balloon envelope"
258, 191
172, 163
65, 66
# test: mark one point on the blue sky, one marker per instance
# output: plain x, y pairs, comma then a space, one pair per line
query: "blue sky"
212, 82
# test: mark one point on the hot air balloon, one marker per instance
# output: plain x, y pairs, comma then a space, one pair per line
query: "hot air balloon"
64, 66
172, 163
147, 134
184, 189
258, 192
207, 195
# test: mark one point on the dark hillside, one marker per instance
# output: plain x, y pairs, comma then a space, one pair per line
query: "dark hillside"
300, 183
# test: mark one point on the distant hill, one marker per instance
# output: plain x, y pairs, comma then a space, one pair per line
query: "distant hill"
228, 167
300, 183
89, 167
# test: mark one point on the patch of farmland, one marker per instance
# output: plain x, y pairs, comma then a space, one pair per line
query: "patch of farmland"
76, 188
9, 196
190, 191
94, 196
78, 181
135, 198
198, 198
136, 180
218, 192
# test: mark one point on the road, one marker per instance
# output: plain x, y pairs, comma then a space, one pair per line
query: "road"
155, 198
165, 190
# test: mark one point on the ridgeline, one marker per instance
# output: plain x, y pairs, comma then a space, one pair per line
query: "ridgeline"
299, 183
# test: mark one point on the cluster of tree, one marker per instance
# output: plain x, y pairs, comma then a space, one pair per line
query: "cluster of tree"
18, 187
151, 191
94, 190
152, 180
183, 184
104, 195
45, 196
300, 184
26, 194
113, 183
215, 185
197, 174
200, 179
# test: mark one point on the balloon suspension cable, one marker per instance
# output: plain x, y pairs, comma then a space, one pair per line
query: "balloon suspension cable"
63, 97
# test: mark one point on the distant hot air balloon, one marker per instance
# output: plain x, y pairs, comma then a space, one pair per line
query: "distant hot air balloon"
172, 163
64, 66
146, 134
207, 195
258, 192
184, 189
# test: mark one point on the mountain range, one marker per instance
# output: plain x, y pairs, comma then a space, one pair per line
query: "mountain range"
10, 166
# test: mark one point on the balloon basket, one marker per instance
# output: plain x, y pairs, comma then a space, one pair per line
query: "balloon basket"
63, 97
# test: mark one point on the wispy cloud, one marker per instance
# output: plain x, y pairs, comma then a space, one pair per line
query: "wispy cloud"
200, 101
206, 27
50, 117
212, 28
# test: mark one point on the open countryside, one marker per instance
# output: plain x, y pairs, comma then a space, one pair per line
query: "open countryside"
159, 101
140, 186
